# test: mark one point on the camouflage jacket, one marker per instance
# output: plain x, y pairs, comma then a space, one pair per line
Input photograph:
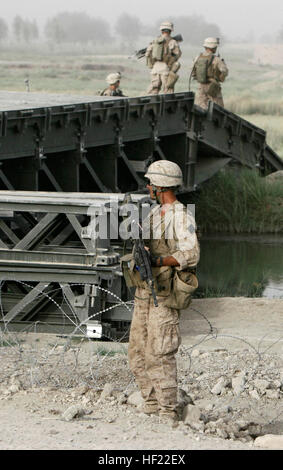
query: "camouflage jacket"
173, 234
109, 92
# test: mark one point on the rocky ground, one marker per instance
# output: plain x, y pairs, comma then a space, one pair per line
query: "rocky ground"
57, 393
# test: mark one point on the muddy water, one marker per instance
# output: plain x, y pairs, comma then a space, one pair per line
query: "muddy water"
241, 266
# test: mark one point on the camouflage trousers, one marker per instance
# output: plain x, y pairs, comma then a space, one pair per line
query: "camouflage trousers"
202, 97
159, 84
154, 342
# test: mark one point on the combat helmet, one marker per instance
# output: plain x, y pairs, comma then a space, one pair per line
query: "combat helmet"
211, 43
165, 174
166, 25
113, 78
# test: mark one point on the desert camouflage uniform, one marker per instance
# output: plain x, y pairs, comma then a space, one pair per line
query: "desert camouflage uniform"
155, 334
109, 92
218, 71
165, 70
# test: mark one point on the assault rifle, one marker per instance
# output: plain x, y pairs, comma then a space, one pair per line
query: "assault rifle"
143, 262
141, 53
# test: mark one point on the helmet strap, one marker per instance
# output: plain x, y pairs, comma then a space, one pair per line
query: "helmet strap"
156, 190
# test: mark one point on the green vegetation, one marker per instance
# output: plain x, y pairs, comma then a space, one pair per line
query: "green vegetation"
255, 289
9, 343
102, 351
273, 125
240, 201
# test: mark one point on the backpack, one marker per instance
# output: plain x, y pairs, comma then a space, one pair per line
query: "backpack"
201, 68
158, 48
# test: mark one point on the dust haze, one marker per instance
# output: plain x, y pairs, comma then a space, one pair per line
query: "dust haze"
248, 20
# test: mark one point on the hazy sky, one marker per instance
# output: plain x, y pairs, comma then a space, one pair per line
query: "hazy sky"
235, 18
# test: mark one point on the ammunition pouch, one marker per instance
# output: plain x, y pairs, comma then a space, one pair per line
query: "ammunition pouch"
175, 67
175, 286
214, 88
162, 276
149, 61
130, 273
184, 283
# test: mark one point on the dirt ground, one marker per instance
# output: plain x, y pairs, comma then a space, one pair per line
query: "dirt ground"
65, 393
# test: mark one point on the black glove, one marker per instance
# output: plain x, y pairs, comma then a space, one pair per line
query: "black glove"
156, 260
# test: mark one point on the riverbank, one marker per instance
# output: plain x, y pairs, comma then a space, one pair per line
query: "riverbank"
235, 201
240, 265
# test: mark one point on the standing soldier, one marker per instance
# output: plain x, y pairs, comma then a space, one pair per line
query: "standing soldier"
155, 335
113, 80
162, 58
209, 70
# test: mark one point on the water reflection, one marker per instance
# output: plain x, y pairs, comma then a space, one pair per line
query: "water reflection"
236, 267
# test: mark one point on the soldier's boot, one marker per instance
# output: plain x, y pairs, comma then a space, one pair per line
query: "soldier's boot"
150, 407
170, 418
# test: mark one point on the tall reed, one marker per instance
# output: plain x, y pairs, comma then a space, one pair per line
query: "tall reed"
240, 202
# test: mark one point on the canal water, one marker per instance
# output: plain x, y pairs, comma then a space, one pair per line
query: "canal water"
250, 266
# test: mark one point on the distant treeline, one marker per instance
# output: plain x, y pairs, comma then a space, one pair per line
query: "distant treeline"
74, 27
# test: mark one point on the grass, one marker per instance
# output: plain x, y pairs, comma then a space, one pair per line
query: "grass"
273, 125
9, 343
237, 202
106, 352
254, 289
4, 344
102, 351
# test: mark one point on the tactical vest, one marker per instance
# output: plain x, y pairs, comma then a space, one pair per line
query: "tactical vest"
203, 68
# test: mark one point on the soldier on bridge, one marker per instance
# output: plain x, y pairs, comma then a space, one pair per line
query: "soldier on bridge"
162, 58
113, 80
210, 71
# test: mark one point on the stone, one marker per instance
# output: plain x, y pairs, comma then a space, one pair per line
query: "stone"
205, 355
14, 388
273, 394
254, 394
209, 407
276, 384
74, 411
261, 385
250, 428
195, 353
222, 433
219, 387
192, 416
121, 398
135, 399
269, 441
276, 176
238, 383
183, 398
107, 391
83, 389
